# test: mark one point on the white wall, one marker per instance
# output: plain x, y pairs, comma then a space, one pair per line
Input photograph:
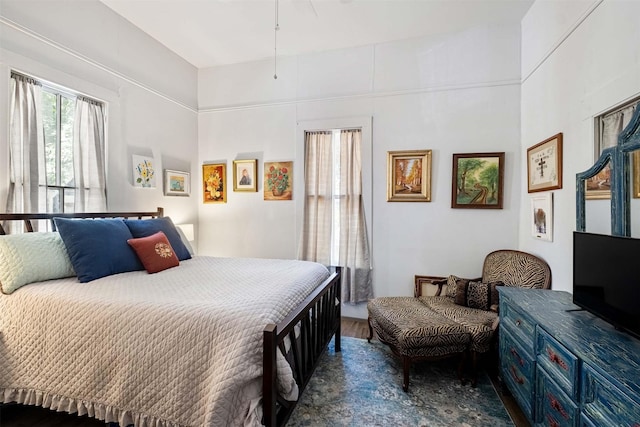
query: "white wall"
455, 93
88, 48
452, 93
580, 58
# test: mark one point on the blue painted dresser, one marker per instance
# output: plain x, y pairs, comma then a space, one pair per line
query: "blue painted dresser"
567, 368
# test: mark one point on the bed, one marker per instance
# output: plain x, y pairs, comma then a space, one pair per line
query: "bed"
212, 341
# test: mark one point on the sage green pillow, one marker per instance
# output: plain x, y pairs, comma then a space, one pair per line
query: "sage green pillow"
32, 257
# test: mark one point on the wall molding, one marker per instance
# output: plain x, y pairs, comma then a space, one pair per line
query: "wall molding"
563, 38
371, 95
275, 103
39, 37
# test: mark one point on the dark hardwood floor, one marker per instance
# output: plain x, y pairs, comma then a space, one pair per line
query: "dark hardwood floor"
28, 416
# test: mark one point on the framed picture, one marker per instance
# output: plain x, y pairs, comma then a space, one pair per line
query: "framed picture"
544, 165
409, 176
244, 175
599, 186
477, 181
214, 183
144, 172
542, 216
278, 180
635, 173
177, 183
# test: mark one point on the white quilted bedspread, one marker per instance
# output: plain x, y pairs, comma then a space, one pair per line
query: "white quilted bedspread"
178, 348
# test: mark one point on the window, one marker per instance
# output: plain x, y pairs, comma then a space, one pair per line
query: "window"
58, 110
334, 227
607, 128
610, 124
56, 147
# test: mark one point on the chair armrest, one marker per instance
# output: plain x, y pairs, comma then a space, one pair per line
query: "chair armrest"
421, 281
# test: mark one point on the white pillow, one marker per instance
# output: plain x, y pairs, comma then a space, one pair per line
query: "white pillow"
186, 242
32, 257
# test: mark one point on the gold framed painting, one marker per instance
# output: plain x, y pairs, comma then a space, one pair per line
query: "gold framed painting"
635, 171
599, 186
214, 183
478, 181
409, 176
278, 180
544, 165
245, 173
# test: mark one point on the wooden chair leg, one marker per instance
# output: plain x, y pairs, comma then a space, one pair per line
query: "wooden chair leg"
474, 368
406, 367
370, 329
463, 358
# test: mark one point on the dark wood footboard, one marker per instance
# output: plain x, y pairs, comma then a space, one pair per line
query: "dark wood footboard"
318, 318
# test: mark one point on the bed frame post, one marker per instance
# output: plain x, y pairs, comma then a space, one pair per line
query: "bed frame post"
269, 393
337, 336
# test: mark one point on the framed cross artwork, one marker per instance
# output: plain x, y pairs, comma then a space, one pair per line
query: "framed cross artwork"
544, 165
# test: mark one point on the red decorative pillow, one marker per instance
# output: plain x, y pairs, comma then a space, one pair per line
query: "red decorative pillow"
155, 252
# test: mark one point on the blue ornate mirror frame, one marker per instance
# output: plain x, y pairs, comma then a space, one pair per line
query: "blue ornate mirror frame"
628, 141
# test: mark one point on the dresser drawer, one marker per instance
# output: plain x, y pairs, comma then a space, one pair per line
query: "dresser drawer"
554, 408
559, 362
518, 324
604, 403
518, 369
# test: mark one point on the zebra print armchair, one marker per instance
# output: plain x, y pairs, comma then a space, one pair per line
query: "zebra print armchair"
460, 319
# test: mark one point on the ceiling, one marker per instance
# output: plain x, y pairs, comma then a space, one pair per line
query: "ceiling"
209, 33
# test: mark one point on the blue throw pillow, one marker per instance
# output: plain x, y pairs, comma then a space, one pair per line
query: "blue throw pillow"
98, 247
147, 227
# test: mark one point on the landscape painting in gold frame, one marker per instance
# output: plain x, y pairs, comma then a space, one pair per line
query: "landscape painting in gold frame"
409, 176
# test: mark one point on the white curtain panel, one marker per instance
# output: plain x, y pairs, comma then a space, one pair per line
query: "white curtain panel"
354, 245
613, 124
88, 156
27, 179
316, 229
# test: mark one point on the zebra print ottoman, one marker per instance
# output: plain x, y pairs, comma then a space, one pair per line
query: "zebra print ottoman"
414, 331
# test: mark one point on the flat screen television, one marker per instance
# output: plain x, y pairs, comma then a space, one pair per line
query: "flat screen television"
606, 278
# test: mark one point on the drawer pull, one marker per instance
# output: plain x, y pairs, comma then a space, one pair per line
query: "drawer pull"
552, 422
557, 359
515, 376
557, 406
515, 354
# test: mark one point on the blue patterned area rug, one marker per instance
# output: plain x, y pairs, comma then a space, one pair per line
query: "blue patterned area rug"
362, 386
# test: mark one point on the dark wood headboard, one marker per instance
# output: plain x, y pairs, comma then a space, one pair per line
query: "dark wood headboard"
28, 217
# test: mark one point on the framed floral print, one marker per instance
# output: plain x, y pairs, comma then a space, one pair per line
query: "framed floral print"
278, 180
214, 183
144, 171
